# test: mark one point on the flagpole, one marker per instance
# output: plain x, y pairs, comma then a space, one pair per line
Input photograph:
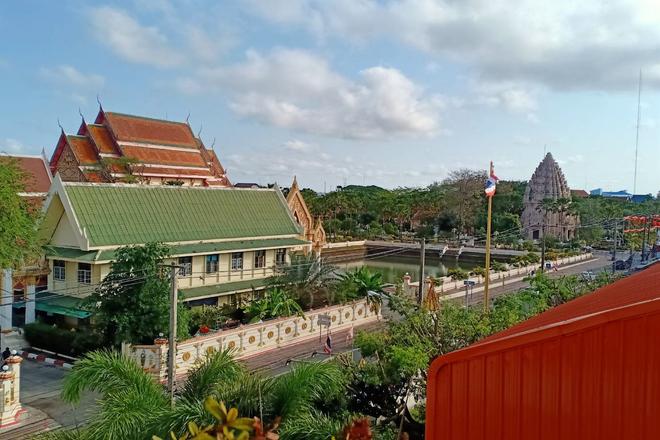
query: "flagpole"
487, 274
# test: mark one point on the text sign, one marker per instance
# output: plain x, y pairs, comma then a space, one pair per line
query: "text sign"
324, 320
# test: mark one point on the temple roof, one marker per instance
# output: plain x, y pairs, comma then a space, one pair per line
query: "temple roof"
155, 148
129, 128
38, 176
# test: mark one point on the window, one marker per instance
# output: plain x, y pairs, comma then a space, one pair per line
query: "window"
84, 273
259, 259
186, 266
237, 261
59, 270
280, 256
212, 263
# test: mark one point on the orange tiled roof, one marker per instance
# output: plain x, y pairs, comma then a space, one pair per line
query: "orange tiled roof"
171, 172
130, 128
36, 169
83, 149
102, 139
164, 157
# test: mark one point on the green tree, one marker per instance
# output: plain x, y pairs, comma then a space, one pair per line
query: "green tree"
307, 279
276, 303
134, 406
132, 302
18, 237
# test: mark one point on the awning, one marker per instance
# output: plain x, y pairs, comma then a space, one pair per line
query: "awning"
223, 289
57, 304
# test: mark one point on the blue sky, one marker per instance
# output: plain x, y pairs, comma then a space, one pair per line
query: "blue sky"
389, 92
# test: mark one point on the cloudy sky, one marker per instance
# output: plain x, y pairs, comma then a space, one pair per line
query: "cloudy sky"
385, 92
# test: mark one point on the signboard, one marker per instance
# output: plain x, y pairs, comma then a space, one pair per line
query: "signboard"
324, 320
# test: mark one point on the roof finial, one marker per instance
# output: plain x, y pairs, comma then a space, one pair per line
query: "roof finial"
98, 99
213, 143
199, 133
188, 118
81, 115
295, 183
60, 125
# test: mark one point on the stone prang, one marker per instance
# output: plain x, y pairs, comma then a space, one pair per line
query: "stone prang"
548, 183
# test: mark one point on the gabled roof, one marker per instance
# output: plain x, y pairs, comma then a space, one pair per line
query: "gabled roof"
130, 128
37, 172
110, 215
102, 139
637, 288
83, 149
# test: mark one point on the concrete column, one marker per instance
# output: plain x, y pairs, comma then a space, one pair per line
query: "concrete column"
14, 364
30, 304
7, 298
10, 405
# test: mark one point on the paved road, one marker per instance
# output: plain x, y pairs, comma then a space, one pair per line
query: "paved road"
41, 385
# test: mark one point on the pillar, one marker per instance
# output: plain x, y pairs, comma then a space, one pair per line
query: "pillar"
10, 404
30, 301
7, 298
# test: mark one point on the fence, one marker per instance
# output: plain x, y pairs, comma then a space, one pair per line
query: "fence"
251, 339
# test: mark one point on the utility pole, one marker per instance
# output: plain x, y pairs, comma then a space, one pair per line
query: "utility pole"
422, 261
171, 352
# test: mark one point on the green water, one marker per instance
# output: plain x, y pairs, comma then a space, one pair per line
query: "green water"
394, 268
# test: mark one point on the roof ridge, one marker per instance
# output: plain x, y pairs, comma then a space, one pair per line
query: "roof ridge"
169, 187
146, 118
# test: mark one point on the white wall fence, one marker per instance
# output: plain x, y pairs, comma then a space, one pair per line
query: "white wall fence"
446, 284
251, 339
344, 244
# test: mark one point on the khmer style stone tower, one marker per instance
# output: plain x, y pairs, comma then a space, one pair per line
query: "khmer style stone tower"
548, 183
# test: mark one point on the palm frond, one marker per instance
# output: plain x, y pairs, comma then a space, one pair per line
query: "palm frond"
313, 425
64, 434
249, 394
176, 419
217, 370
108, 372
295, 391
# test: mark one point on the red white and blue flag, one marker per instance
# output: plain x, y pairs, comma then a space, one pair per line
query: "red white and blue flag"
327, 347
491, 183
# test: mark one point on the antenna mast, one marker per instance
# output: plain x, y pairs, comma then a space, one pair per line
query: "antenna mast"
639, 111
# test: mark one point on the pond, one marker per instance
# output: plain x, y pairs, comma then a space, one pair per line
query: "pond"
394, 268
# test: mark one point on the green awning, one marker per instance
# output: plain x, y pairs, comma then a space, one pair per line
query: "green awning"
184, 249
58, 305
222, 289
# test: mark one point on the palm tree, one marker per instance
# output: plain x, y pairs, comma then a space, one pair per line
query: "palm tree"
276, 303
306, 278
134, 406
362, 283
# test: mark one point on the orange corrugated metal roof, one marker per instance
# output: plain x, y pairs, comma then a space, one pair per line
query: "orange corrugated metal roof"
102, 139
164, 157
642, 286
131, 128
35, 167
83, 149
172, 172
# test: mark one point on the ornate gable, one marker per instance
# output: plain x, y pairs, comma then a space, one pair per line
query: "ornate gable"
312, 230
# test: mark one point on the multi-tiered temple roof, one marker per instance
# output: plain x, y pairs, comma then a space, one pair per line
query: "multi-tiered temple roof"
126, 148
548, 184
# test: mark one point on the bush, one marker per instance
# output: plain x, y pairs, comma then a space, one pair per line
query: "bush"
479, 270
457, 274
210, 316
66, 342
498, 266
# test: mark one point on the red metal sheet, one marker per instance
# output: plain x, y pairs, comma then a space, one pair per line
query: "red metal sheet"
595, 376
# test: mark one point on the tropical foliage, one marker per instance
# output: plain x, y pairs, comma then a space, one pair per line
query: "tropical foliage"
133, 406
276, 303
18, 238
360, 283
307, 279
132, 302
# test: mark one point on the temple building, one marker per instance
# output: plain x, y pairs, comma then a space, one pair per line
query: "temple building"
134, 149
227, 241
312, 227
548, 183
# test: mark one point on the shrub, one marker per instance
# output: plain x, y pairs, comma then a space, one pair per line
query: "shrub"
66, 342
479, 270
498, 266
458, 274
210, 316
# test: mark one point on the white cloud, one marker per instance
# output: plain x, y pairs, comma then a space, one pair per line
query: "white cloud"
69, 76
11, 146
298, 145
131, 40
298, 90
562, 44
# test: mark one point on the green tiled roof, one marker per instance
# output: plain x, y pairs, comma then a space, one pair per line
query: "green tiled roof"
186, 249
58, 305
127, 214
219, 289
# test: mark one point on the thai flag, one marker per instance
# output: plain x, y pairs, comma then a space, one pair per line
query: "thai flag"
491, 183
327, 347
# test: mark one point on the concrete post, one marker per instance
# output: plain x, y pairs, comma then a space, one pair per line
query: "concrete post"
14, 364
30, 303
10, 404
7, 299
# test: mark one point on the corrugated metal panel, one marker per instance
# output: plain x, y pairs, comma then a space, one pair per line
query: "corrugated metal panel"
592, 378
